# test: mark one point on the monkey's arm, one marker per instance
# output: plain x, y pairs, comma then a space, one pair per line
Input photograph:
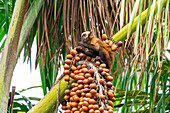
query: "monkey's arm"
89, 46
88, 53
96, 50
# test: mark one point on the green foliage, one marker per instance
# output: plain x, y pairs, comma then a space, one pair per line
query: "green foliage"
23, 103
141, 70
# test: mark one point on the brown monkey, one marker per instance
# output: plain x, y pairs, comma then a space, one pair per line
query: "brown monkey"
96, 47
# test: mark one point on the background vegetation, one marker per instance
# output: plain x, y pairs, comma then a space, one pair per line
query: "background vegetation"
141, 70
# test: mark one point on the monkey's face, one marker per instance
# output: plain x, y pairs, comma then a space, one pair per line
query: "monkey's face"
86, 36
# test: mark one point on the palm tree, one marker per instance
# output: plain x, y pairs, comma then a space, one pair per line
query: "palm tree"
141, 70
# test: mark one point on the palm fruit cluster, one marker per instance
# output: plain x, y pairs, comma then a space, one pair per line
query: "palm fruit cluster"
93, 92
111, 43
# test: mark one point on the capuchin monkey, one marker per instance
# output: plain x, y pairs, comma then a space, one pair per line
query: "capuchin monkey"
96, 47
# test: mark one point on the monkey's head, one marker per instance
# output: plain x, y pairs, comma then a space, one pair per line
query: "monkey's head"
86, 36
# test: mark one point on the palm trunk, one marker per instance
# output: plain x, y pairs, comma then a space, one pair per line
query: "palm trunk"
7, 63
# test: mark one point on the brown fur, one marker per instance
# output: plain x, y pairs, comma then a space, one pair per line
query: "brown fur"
95, 44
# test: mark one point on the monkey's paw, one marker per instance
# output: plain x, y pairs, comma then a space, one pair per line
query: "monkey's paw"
98, 59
